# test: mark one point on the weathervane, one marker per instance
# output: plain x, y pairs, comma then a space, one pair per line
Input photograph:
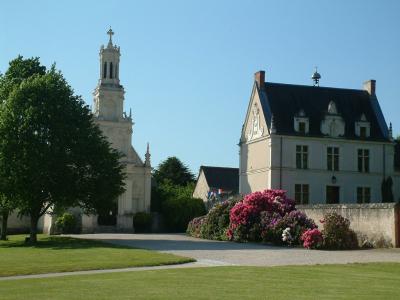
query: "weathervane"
316, 77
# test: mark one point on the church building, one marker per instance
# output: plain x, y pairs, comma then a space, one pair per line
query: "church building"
320, 144
116, 125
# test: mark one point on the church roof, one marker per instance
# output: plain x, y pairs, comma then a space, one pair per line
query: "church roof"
285, 101
221, 177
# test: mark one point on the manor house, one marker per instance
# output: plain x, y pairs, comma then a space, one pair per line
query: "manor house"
320, 144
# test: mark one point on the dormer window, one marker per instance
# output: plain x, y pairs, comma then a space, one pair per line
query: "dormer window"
333, 124
301, 124
363, 132
302, 127
363, 127
332, 110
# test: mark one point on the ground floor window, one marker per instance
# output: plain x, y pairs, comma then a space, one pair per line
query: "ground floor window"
332, 194
363, 194
301, 193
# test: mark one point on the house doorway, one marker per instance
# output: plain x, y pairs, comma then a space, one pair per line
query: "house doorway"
109, 217
332, 194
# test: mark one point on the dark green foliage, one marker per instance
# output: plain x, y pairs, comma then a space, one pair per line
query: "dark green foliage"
51, 152
179, 211
6, 208
168, 190
67, 223
174, 171
19, 69
337, 234
216, 222
142, 222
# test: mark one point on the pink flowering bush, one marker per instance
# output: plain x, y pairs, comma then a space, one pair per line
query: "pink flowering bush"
312, 239
294, 222
194, 226
245, 216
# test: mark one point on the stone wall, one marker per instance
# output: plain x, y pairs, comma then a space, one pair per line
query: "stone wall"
379, 222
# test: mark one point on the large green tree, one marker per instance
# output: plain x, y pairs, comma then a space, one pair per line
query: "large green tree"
51, 152
19, 70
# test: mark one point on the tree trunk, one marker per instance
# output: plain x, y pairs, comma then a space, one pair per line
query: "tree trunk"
4, 219
33, 231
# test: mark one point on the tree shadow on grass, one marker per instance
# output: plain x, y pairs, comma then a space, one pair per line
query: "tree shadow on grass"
60, 243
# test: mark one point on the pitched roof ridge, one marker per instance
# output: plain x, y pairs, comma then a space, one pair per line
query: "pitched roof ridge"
213, 167
310, 86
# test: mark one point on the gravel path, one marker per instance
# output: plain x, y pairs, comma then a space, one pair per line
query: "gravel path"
216, 253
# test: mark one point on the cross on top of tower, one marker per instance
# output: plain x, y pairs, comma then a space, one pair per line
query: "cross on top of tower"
110, 33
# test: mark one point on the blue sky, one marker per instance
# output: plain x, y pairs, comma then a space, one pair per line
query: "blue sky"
187, 66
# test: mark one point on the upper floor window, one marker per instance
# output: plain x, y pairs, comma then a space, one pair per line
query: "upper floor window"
363, 127
301, 193
363, 194
363, 131
333, 158
333, 124
301, 124
301, 157
302, 127
363, 160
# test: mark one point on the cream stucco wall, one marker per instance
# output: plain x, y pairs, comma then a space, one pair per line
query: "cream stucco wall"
201, 189
318, 177
255, 154
379, 222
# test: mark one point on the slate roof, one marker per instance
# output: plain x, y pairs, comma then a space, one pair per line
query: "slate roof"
285, 101
221, 178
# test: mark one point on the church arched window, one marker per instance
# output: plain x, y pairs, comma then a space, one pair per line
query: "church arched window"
105, 70
111, 70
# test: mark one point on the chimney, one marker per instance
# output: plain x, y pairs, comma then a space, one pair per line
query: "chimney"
370, 86
259, 77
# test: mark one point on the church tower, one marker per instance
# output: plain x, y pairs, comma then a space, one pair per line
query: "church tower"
109, 94
116, 126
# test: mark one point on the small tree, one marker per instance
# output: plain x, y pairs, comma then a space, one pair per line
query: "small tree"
175, 171
170, 174
51, 152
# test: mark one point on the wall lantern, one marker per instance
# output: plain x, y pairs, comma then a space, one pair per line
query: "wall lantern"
333, 179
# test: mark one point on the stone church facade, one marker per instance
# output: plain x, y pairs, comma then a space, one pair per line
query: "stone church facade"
116, 125
320, 144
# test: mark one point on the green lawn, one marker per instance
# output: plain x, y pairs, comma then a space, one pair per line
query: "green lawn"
63, 254
355, 281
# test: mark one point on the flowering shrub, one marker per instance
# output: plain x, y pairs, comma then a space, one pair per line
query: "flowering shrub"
337, 233
312, 239
194, 226
273, 226
286, 236
245, 216
216, 223
267, 216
